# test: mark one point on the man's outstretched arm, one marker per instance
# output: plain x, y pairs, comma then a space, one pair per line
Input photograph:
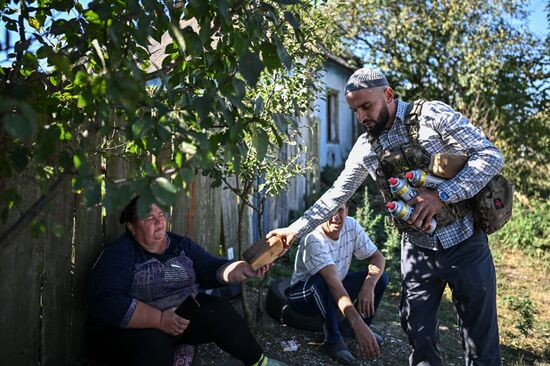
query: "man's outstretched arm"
354, 173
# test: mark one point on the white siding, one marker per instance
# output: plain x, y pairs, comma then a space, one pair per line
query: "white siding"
334, 154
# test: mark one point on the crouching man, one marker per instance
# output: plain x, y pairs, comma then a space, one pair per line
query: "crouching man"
322, 285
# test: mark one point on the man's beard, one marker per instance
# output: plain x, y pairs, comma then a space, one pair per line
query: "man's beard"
380, 122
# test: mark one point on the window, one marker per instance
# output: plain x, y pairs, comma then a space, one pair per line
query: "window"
332, 116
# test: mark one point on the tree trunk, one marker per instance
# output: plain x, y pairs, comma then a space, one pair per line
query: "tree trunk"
247, 312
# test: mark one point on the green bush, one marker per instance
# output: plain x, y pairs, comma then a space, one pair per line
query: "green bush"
524, 311
528, 229
379, 228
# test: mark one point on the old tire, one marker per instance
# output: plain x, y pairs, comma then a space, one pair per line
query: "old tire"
278, 307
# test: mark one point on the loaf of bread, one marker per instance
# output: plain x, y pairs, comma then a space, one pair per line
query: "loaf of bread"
263, 252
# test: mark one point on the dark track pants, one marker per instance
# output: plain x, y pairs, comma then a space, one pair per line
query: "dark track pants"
469, 271
314, 297
215, 321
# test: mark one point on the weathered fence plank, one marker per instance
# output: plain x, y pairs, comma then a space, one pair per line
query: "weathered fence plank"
88, 243
198, 215
56, 288
20, 282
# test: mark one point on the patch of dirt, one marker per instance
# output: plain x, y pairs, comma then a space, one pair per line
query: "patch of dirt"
395, 350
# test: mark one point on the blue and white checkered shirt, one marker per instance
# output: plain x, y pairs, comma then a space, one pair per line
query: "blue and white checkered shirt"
441, 130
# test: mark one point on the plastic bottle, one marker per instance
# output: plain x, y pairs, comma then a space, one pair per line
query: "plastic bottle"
420, 178
401, 188
402, 211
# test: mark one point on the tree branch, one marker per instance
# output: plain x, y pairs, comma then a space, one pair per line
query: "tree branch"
6, 238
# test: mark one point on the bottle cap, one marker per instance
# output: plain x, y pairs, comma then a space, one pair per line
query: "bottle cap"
393, 181
390, 205
409, 175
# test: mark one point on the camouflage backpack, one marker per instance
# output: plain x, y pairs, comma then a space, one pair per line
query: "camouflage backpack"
492, 205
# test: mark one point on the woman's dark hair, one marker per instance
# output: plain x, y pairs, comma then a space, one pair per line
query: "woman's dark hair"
129, 213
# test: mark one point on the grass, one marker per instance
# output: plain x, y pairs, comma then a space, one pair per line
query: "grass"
523, 302
523, 281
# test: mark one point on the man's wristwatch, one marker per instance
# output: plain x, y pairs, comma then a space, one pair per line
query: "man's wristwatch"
443, 197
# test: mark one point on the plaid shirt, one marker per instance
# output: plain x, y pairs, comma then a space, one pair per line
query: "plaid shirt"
441, 130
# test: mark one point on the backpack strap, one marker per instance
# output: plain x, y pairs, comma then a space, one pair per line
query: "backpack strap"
412, 117
412, 114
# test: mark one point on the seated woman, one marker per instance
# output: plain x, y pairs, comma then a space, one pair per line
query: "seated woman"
140, 279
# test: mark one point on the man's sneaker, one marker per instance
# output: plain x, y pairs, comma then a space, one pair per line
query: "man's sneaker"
340, 352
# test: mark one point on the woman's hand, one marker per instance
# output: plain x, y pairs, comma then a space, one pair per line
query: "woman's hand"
171, 323
240, 270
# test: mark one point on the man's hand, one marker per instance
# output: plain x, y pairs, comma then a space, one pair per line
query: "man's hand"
365, 299
171, 323
366, 340
288, 236
240, 270
426, 206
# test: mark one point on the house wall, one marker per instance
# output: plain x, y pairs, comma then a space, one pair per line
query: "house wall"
313, 134
334, 154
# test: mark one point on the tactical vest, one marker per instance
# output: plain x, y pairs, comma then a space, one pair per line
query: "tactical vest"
397, 161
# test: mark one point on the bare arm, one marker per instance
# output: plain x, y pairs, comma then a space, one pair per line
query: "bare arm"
238, 271
365, 338
365, 299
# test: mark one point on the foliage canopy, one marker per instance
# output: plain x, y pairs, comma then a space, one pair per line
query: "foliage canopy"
235, 77
478, 56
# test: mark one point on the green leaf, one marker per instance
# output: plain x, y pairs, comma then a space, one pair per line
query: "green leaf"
164, 192
250, 66
81, 78
148, 168
288, 2
83, 100
239, 88
280, 121
204, 105
38, 228
43, 51
80, 163
176, 32
258, 105
35, 23
163, 132
283, 54
19, 159
92, 17
54, 80
291, 18
145, 201
141, 127
178, 158
261, 142
270, 56
21, 127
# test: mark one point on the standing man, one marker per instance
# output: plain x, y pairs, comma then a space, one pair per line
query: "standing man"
322, 285
457, 253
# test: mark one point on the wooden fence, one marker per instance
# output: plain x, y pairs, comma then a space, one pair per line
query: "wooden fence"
43, 281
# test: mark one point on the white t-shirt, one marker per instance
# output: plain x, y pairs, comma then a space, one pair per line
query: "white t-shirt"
317, 251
